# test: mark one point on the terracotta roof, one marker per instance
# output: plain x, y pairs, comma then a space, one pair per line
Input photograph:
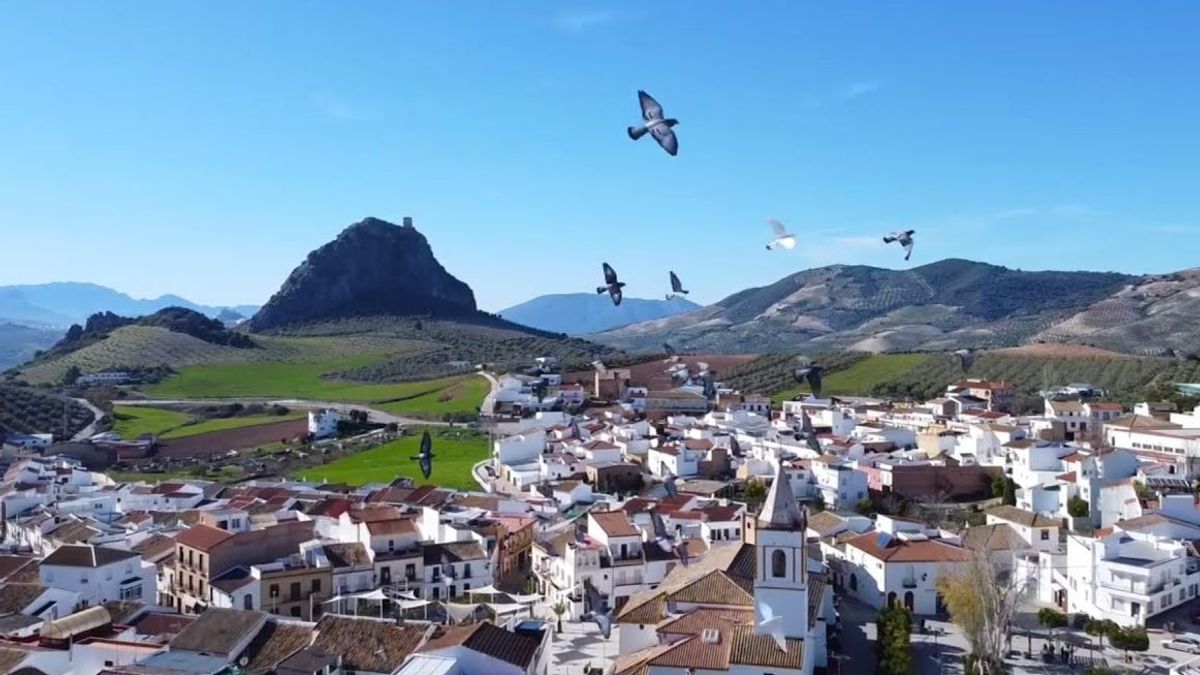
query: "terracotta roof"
155, 547
14, 598
457, 551
203, 537
75, 555
489, 640
275, 642
1132, 421
897, 550
615, 523
156, 624
733, 560
752, 649
997, 537
397, 526
331, 507
218, 630
635, 663
826, 523
10, 564
1068, 477
1021, 517
698, 619
373, 645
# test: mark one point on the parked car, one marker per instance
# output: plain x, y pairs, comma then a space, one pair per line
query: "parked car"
1183, 643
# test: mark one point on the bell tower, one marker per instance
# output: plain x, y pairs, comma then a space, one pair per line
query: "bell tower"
781, 576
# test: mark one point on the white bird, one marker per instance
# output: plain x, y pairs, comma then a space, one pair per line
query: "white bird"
783, 238
966, 358
905, 239
600, 367
772, 625
655, 125
664, 540
669, 483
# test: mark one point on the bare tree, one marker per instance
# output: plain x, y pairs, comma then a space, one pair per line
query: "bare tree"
983, 601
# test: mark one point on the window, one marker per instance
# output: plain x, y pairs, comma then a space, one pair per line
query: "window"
296, 611
274, 590
316, 585
295, 590
1045, 535
778, 564
467, 570
202, 560
247, 601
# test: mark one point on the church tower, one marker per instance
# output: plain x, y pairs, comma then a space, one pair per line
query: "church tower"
781, 576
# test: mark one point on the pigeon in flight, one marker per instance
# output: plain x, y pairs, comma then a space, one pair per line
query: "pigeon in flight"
807, 371
655, 124
782, 239
600, 367
669, 483
425, 456
966, 358
677, 291
611, 285
665, 541
597, 609
772, 624
670, 351
905, 237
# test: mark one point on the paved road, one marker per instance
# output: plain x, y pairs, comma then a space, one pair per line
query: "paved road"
489, 401
90, 430
581, 645
857, 619
373, 414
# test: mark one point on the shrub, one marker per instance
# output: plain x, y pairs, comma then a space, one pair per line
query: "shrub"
1077, 507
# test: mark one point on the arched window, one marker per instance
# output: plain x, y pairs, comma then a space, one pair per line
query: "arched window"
778, 564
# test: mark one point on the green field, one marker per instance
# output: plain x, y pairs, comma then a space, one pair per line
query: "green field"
134, 421
455, 450
457, 397
863, 376
286, 380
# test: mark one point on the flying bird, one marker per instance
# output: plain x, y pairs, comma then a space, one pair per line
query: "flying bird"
425, 456
655, 124
966, 358
664, 540
670, 351
600, 367
677, 291
596, 609
669, 483
772, 624
782, 239
681, 551
905, 237
807, 371
611, 285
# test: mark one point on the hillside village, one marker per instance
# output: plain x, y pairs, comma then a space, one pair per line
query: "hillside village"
647, 521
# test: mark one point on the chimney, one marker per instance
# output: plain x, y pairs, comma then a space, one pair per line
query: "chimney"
408, 221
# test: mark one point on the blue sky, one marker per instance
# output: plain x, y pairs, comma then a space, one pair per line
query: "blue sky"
204, 148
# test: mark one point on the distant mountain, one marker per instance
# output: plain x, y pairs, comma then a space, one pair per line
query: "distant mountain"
60, 304
582, 313
19, 343
372, 268
951, 303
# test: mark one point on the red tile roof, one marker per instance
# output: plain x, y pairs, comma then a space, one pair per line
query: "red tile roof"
927, 550
203, 537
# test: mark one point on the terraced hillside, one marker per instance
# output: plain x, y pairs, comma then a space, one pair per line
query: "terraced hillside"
950, 303
30, 411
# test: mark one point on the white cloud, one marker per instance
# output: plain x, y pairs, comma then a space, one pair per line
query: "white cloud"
576, 20
856, 89
339, 108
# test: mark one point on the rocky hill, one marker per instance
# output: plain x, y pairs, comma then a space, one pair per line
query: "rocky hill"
372, 268
946, 304
582, 313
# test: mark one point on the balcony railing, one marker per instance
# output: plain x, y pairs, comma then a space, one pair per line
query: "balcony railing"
909, 583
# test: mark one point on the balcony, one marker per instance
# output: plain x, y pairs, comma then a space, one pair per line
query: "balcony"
909, 583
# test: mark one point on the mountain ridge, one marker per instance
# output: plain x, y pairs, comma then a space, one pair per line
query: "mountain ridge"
583, 313
947, 304
59, 304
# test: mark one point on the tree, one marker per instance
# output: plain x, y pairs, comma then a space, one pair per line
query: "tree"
559, 609
755, 494
1077, 507
1130, 639
893, 642
1009, 497
71, 374
982, 603
817, 503
865, 507
999, 482
1101, 628
1051, 618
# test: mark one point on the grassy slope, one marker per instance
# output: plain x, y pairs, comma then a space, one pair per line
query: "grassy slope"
456, 451
462, 396
285, 380
863, 376
134, 421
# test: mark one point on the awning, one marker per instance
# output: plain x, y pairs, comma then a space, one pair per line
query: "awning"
375, 595
459, 612
486, 590
413, 604
506, 608
525, 599
75, 624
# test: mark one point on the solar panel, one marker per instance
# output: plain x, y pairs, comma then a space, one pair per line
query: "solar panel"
883, 540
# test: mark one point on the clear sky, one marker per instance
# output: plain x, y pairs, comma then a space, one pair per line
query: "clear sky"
203, 148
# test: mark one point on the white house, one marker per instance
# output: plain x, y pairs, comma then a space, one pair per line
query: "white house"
899, 564
323, 423
100, 574
841, 485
